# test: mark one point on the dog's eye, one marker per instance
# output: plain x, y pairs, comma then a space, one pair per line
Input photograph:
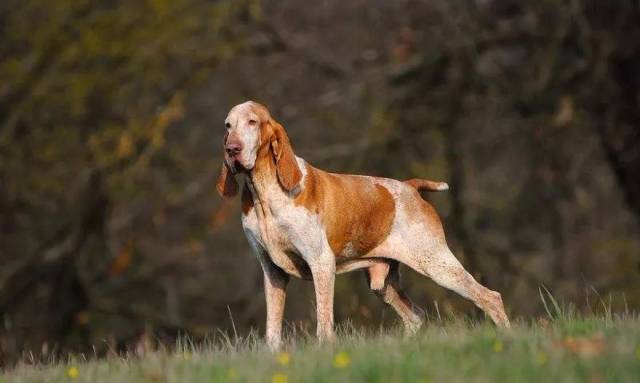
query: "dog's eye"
252, 122
227, 125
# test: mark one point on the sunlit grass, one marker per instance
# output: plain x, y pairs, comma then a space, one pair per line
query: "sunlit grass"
572, 349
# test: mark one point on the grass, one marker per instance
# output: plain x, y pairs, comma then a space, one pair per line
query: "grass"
566, 348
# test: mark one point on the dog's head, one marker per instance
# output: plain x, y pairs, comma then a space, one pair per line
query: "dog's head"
250, 132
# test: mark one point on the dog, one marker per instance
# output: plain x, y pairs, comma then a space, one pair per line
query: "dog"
304, 222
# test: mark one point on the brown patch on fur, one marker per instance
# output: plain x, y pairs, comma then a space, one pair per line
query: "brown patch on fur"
356, 212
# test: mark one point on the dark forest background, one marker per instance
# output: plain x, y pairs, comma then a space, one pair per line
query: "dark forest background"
111, 121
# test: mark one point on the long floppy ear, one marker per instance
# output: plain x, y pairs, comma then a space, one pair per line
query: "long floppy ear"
289, 173
227, 185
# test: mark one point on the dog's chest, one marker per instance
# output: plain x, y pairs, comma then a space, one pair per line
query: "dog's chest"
287, 232
271, 233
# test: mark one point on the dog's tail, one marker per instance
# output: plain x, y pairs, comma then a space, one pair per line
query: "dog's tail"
427, 185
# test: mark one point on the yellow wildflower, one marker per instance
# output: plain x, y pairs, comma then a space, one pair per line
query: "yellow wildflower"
232, 374
73, 372
341, 360
498, 346
541, 358
283, 358
279, 377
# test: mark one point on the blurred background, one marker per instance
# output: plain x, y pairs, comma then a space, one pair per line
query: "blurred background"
111, 124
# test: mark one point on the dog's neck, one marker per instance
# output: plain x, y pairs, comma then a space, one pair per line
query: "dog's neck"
267, 194
262, 181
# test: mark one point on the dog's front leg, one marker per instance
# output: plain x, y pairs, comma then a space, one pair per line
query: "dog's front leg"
323, 270
275, 290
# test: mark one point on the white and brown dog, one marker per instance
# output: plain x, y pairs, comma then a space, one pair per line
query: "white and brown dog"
311, 224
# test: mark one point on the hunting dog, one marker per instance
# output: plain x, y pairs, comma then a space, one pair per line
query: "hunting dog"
304, 222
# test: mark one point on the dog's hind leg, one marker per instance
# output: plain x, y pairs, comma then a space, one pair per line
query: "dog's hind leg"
384, 281
418, 241
443, 268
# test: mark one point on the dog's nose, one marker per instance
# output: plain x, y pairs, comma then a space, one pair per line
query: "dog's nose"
233, 149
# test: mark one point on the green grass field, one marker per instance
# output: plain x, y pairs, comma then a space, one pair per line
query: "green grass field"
577, 349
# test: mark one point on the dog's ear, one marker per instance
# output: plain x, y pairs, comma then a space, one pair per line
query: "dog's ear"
289, 173
227, 185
